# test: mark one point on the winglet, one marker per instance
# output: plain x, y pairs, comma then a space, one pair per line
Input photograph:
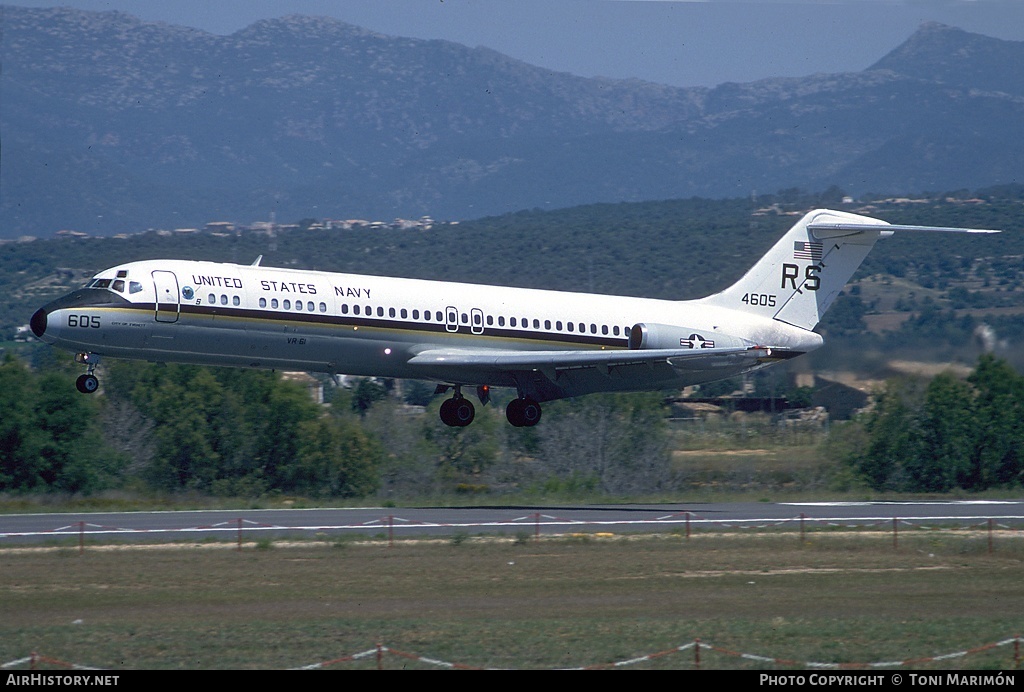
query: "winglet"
257, 261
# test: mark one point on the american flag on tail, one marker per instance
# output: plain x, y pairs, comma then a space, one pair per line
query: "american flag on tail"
807, 250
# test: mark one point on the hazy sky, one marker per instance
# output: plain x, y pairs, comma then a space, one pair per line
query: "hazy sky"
667, 41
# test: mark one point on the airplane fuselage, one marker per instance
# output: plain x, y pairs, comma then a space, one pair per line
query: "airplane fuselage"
265, 317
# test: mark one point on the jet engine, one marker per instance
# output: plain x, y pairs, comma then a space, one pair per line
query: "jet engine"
667, 336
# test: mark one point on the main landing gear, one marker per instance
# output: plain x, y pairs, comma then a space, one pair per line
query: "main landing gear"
458, 412
523, 413
87, 383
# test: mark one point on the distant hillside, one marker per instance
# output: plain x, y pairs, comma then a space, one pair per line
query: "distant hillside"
111, 124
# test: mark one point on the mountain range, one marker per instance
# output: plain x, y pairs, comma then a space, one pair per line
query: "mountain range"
111, 124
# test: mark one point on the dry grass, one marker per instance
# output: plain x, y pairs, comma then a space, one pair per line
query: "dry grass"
558, 602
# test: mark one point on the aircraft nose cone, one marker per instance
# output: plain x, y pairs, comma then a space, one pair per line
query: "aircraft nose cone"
38, 323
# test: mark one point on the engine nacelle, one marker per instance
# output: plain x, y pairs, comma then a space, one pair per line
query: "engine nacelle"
658, 336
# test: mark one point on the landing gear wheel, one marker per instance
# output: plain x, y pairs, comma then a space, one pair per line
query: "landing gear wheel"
457, 412
523, 413
87, 384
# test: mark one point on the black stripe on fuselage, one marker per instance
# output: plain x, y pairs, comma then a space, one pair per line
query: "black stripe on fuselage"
326, 320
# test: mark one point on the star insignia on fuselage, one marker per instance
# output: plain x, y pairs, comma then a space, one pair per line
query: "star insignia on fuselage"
696, 341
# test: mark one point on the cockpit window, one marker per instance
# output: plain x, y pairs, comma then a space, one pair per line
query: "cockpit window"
119, 285
100, 283
134, 287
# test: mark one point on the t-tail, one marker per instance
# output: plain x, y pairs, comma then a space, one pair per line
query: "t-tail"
802, 274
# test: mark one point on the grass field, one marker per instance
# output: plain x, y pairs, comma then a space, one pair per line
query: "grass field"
584, 600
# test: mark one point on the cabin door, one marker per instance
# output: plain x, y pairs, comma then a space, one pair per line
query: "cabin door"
168, 304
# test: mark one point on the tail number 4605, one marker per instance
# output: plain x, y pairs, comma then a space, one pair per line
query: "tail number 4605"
765, 299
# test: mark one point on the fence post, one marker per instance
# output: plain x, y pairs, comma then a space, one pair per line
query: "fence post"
802, 539
696, 652
895, 533
239, 533
687, 524
989, 536
81, 537
391, 530
536, 526
380, 656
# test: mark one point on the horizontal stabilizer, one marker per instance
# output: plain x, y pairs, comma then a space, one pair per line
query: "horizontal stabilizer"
833, 230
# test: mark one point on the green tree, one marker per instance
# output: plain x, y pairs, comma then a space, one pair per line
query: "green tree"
73, 455
336, 458
946, 436
894, 436
20, 462
999, 419
49, 435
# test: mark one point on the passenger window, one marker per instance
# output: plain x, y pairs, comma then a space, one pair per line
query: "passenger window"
309, 305
490, 321
416, 314
512, 321
323, 307
439, 316
593, 328
547, 324
391, 312
211, 299
501, 321
298, 304
344, 308
536, 323
380, 312
476, 319
235, 300
558, 325
404, 313
604, 329
263, 302
223, 299
465, 318
355, 309
273, 303
615, 330
569, 325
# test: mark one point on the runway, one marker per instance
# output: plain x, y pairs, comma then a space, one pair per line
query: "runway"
510, 520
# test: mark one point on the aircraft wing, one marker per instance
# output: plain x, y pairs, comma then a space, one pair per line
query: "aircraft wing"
548, 375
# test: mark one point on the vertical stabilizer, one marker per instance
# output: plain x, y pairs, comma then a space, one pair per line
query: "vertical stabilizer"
803, 273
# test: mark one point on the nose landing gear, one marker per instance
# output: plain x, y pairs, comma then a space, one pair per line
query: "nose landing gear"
87, 383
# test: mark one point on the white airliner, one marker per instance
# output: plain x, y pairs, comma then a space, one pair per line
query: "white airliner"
546, 344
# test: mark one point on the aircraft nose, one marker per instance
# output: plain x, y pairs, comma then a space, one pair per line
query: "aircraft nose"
38, 322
